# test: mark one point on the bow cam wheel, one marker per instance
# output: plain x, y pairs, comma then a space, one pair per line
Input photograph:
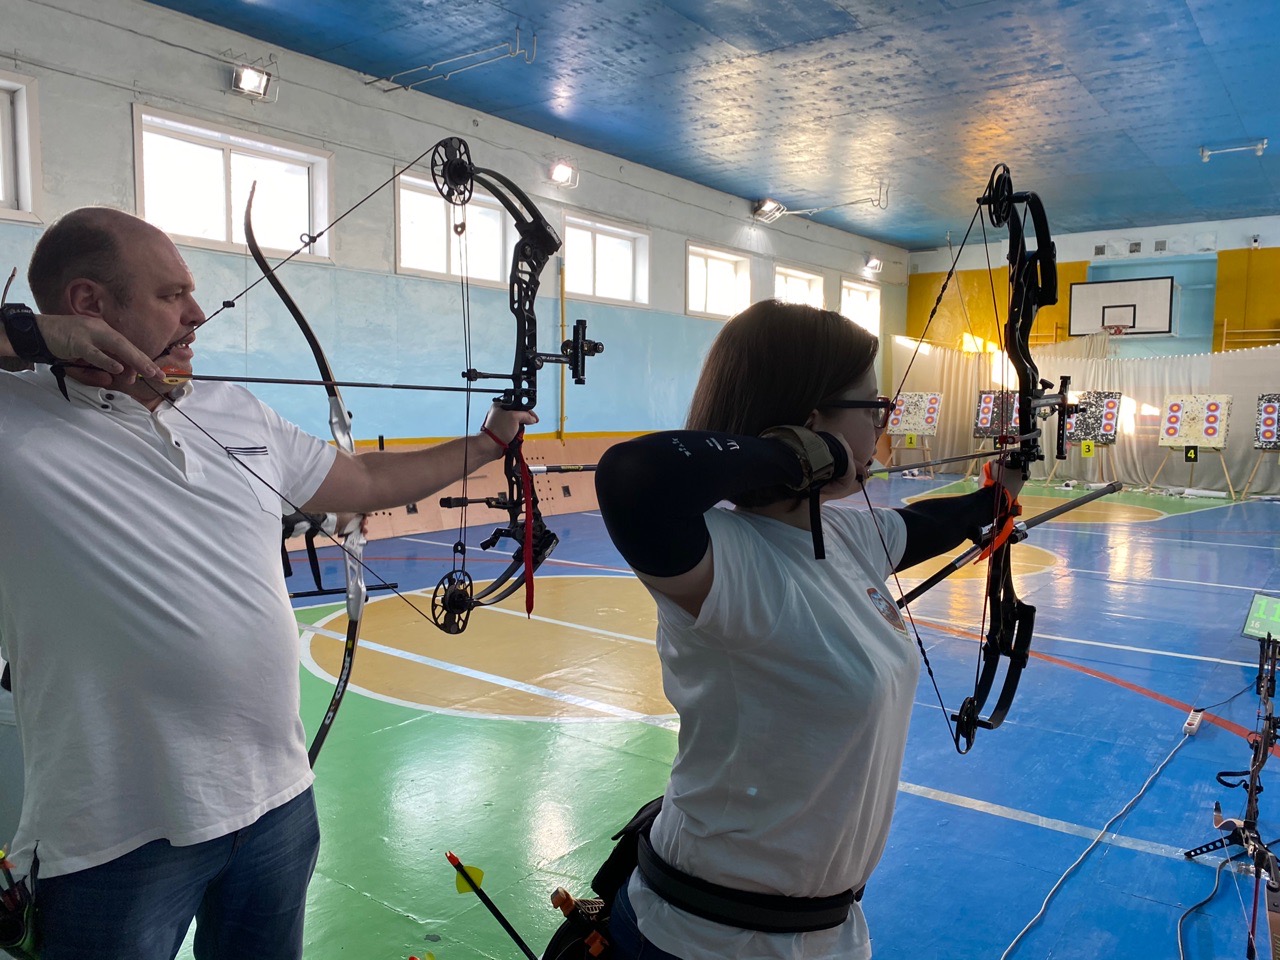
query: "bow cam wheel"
451, 603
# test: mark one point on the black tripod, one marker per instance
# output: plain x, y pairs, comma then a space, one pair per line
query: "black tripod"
1243, 832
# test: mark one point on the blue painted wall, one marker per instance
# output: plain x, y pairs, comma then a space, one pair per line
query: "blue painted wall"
406, 329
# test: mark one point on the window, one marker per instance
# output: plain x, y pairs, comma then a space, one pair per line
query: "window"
194, 182
428, 243
719, 282
797, 286
860, 302
19, 147
605, 260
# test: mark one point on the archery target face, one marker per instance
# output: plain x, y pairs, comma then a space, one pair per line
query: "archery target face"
1195, 420
1098, 421
1267, 426
916, 413
996, 414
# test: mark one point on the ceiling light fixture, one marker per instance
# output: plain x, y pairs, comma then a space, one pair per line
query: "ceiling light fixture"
1257, 147
768, 210
564, 174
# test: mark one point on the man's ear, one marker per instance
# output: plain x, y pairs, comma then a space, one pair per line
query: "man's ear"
84, 298
811, 419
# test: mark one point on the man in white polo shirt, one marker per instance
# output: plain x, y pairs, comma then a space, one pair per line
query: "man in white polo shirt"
143, 610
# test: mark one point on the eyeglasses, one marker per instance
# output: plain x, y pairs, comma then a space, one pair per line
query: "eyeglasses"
884, 404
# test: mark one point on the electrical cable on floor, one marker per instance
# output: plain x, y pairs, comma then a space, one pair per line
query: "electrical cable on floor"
1247, 686
1217, 880
1096, 840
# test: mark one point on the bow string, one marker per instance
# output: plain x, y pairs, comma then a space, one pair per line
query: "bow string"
537, 244
1008, 621
353, 539
455, 596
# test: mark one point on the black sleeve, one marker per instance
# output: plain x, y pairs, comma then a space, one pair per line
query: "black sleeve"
937, 525
654, 490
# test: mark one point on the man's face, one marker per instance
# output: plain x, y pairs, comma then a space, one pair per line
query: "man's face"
160, 314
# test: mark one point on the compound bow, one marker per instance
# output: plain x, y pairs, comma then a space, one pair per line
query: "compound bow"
455, 595
1033, 283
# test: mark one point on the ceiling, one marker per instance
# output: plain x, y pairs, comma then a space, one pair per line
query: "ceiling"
1100, 106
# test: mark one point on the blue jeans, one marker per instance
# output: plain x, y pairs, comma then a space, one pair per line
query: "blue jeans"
246, 891
624, 932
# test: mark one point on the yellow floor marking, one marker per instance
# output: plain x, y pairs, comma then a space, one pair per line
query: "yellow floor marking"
578, 659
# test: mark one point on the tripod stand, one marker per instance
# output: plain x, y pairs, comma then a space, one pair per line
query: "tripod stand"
1243, 832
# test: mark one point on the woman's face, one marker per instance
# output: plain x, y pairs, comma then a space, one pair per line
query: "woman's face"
858, 427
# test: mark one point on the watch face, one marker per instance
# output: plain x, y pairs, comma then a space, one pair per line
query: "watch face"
19, 318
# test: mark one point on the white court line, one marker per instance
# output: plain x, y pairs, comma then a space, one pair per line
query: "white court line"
1111, 646
568, 563
1195, 543
929, 793
1047, 823
498, 681
571, 626
1144, 580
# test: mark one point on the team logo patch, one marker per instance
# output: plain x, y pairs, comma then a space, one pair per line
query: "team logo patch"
888, 609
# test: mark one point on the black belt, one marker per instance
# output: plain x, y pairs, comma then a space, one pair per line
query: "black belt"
766, 912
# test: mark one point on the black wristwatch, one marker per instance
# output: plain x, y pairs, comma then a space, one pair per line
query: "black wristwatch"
24, 336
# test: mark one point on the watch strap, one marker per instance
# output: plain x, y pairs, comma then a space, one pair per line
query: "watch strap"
24, 334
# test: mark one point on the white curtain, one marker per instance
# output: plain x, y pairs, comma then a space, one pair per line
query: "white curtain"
1136, 457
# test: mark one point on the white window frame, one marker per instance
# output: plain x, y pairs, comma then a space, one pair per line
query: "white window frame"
232, 140
815, 281
850, 284
742, 264
20, 142
639, 256
480, 197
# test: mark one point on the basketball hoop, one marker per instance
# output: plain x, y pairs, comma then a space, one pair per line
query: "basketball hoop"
1115, 331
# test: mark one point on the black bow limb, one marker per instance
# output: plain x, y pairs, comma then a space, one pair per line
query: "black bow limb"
455, 177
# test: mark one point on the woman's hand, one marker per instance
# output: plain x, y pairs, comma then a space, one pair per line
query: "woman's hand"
1010, 478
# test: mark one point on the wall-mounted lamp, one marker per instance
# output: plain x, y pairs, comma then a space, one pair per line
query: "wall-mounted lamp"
767, 210
254, 79
874, 263
564, 174
1257, 148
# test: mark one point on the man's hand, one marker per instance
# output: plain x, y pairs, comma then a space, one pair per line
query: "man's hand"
93, 342
503, 425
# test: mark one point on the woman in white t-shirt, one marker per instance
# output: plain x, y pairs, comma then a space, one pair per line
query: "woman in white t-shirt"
782, 649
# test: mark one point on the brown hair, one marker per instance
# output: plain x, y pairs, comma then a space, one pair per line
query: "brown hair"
83, 243
773, 364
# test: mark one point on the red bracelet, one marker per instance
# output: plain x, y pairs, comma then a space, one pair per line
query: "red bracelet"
494, 437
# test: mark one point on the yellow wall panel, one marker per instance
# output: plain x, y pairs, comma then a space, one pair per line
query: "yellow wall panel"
1246, 308
967, 306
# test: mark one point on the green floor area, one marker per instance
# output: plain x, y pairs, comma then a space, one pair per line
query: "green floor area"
532, 803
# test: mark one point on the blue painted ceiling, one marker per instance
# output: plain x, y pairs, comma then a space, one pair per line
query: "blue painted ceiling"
1100, 106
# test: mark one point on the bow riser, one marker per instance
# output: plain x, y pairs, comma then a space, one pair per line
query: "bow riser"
455, 177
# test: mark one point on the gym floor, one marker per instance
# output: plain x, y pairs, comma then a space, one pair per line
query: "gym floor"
522, 744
